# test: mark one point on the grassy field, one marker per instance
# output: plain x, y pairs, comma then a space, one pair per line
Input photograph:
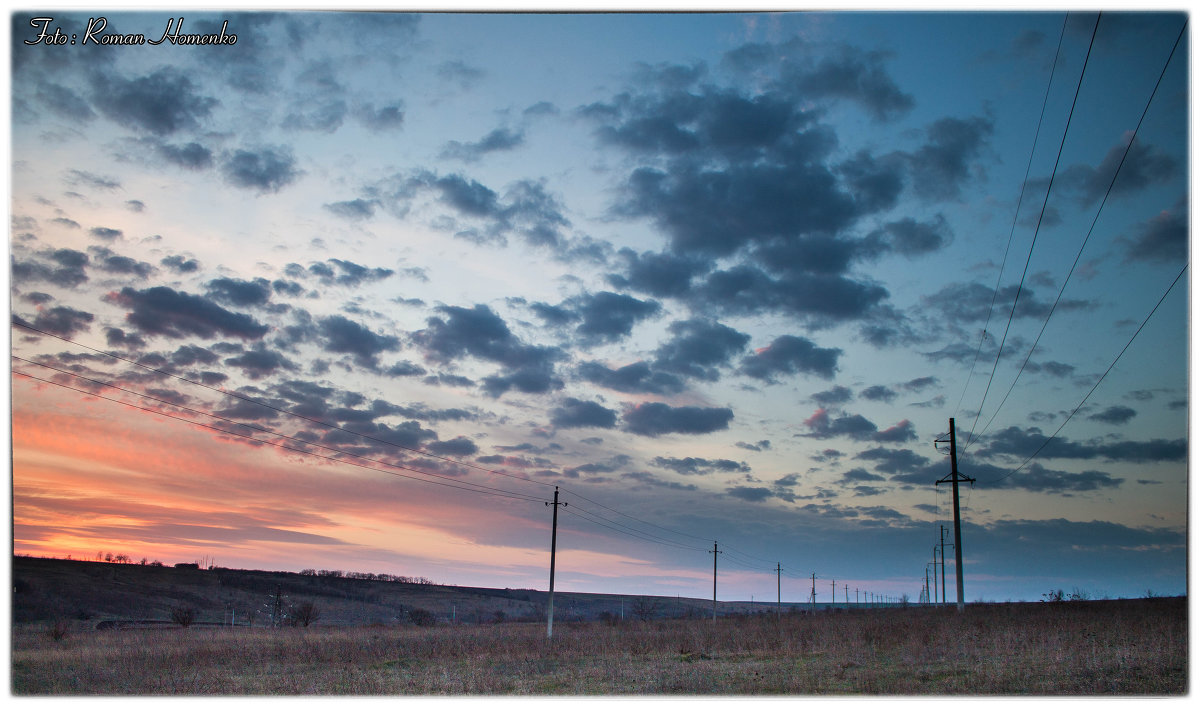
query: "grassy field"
1068, 648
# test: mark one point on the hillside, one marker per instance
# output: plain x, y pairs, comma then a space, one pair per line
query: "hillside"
104, 593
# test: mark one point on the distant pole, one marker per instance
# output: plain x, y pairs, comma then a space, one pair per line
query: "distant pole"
847, 588
832, 592
926, 584
778, 592
715, 552
953, 479
813, 595
935, 574
553, 548
942, 528
856, 601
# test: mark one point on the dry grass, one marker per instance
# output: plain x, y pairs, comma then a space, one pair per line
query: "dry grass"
1125, 648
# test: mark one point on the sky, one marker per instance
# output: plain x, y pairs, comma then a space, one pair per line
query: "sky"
359, 291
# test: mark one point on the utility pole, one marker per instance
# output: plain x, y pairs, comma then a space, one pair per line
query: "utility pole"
778, 593
856, 601
935, 574
847, 588
553, 544
832, 592
926, 584
942, 528
953, 478
812, 597
715, 552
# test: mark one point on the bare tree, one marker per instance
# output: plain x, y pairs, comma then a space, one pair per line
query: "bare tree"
645, 608
183, 615
305, 613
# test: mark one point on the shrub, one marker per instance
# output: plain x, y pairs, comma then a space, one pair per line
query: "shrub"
304, 613
58, 629
183, 615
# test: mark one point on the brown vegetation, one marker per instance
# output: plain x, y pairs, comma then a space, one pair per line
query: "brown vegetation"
1128, 647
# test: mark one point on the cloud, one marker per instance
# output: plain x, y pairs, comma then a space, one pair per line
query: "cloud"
972, 302
607, 316
260, 362
457, 447
62, 321
1014, 441
1115, 415
694, 466
358, 209
834, 396
1143, 166
180, 264
1163, 238
700, 347
95, 181
388, 117
344, 272
64, 102
193, 155
105, 234
240, 293
654, 419
265, 170
633, 378
69, 269
342, 335
912, 238
582, 413
754, 494
164, 311
848, 73
161, 103
1042, 480
942, 165
657, 274
500, 139
879, 393
900, 432
760, 446
822, 426
790, 355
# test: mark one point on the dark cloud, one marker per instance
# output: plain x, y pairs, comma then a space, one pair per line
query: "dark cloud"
911, 238
878, 392
916, 385
1142, 167
341, 335
1163, 238
240, 293
822, 426
193, 155
1042, 480
790, 355
834, 396
66, 222
460, 73
533, 378
858, 475
848, 73
653, 419
122, 265
105, 234
260, 362
582, 413
941, 166
694, 466
457, 447
388, 117
900, 432
355, 210
69, 269
657, 274
344, 272
755, 494
322, 116
403, 369
700, 348
161, 103
500, 139
634, 378
180, 264
162, 310
607, 316
1016, 442
265, 170
971, 302
63, 321
822, 298
760, 446
1115, 415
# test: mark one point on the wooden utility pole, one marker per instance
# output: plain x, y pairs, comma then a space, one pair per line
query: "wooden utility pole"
715, 552
935, 574
832, 592
813, 595
778, 592
553, 548
953, 478
942, 528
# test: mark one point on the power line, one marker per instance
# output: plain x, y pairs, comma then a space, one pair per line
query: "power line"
1016, 212
1098, 382
1082, 245
1036, 230
243, 398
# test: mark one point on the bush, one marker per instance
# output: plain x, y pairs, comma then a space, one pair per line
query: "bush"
183, 615
304, 613
58, 629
